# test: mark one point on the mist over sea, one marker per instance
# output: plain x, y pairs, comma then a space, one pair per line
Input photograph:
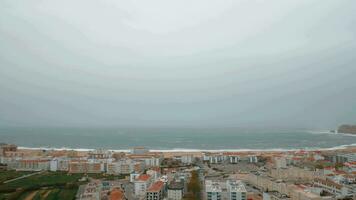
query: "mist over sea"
172, 138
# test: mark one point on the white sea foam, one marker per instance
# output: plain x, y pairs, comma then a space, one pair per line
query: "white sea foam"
330, 133
321, 132
348, 134
201, 150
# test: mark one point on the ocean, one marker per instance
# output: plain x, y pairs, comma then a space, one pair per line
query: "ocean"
173, 138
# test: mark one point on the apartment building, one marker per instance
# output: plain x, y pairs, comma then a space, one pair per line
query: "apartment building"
184, 159
141, 183
339, 190
83, 166
7, 148
225, 190
348, 157
280, 162
99, 154
213, 190
30, 165
236, 190
175, 190
149, 159
125, 166
293, 173
155, 191
59, 164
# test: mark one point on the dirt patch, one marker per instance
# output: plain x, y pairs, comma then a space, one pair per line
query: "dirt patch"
44, 196
31, 195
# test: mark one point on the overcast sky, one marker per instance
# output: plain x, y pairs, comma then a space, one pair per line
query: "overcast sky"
242, 63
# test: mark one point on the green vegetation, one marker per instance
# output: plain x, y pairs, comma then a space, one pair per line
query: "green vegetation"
47, 185
7, 175
339, 166
194, 187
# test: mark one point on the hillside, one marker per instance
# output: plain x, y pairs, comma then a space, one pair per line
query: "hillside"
347, 129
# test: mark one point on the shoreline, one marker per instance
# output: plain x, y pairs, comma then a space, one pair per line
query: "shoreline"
177, 150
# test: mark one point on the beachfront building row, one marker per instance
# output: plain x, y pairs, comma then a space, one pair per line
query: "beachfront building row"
30, 165
229, 157
221, 189
98, 161
341, 158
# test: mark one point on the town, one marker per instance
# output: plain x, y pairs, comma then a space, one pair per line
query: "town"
142, 174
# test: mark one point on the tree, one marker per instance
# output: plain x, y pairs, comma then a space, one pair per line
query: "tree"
194, 187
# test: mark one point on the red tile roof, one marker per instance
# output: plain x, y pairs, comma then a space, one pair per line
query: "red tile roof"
143, 177
329, 168
116, 194
156, 187
349, 164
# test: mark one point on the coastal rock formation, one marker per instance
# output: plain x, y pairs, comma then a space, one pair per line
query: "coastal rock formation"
347, 129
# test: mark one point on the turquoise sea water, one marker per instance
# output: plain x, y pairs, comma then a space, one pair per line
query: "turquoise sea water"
170, 138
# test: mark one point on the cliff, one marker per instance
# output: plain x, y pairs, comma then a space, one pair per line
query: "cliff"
347, 129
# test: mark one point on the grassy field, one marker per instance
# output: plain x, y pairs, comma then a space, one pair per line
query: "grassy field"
7, 175
47, 185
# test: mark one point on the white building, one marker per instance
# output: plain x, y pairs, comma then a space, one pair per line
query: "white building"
30, 164
175, 190
152, 162
185, 159
349, 157
155, 191
229, 190
236, 190
214, 159
53, 165
213, 190
234, 159
141, 183
280, 162
339, 190
252, 159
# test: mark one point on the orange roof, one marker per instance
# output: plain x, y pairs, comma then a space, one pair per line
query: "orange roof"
143, 177
350, 163
329, 168
232, 153
116, 194
339, 172
156, 187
